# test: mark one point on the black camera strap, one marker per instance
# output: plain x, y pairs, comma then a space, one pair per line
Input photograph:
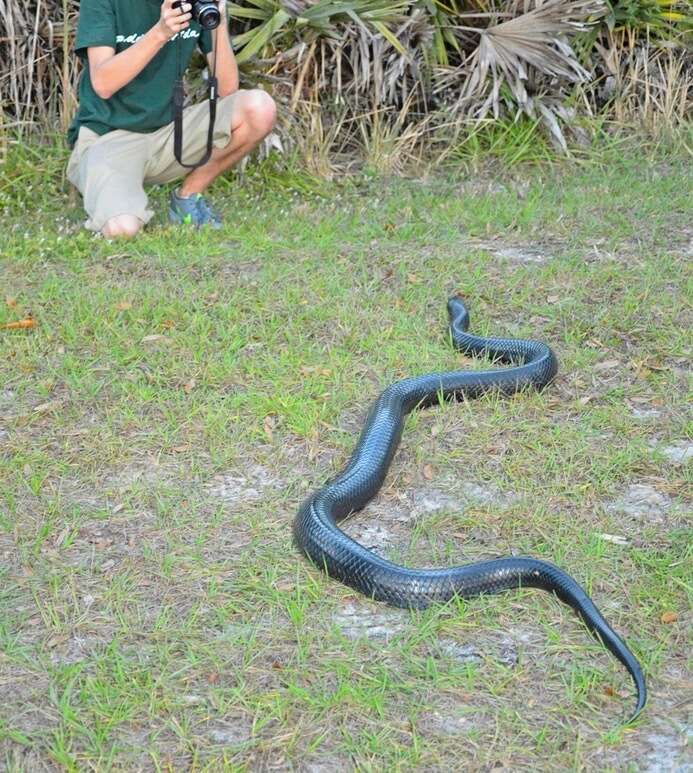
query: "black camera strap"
178, 103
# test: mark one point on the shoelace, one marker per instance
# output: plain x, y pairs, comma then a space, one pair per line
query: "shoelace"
205, 210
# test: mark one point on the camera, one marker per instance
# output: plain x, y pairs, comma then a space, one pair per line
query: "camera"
204, 12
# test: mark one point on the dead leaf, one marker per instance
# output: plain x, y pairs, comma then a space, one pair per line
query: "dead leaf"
155, 337
118, 256
607, 365
268, 426
428, 472
123, 306
553, 298
64, 534
644, 368
20, 324
11, 303
45, 407
413, 279
189, 386
56, 641
213, 678
613, 538
669, 617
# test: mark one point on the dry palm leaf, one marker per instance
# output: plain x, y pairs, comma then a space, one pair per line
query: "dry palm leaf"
516, 58
535, 39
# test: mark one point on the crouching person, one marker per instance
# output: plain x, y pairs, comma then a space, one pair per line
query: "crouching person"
122, 136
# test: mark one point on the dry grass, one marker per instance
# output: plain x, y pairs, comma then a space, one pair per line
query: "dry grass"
648, 85
38, 74
382, 75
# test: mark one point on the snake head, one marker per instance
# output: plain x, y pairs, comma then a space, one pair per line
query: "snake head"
457, 311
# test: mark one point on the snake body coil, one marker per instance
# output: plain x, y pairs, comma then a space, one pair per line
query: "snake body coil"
534, 365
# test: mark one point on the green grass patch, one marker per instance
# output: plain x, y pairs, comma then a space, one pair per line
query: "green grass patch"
181, 394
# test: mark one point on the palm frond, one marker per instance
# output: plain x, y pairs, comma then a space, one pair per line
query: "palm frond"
453, 60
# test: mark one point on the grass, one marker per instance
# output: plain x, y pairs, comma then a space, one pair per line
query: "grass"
182, 393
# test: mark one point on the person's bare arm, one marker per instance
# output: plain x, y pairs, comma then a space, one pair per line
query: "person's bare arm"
109, 71
227, 68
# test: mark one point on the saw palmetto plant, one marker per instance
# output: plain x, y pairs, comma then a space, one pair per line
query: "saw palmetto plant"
393, 63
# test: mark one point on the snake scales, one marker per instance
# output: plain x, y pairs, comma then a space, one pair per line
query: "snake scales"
316, 533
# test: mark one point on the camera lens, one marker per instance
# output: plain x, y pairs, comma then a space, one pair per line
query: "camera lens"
209, 18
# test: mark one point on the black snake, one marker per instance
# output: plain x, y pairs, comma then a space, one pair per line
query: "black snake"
317, 535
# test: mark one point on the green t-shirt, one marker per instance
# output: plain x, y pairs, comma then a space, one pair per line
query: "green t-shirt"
144, 104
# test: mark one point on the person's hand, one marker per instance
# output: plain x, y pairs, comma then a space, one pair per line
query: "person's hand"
173, 20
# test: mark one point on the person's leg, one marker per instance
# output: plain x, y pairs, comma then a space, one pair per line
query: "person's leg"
125, 226
109, 171
243, 119
254, 115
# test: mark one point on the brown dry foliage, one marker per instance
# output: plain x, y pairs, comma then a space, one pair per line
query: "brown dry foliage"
397, 62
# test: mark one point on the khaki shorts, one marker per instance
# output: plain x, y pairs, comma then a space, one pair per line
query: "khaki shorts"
110, 170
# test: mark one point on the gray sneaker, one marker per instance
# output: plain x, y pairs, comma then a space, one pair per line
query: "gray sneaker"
192, 210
